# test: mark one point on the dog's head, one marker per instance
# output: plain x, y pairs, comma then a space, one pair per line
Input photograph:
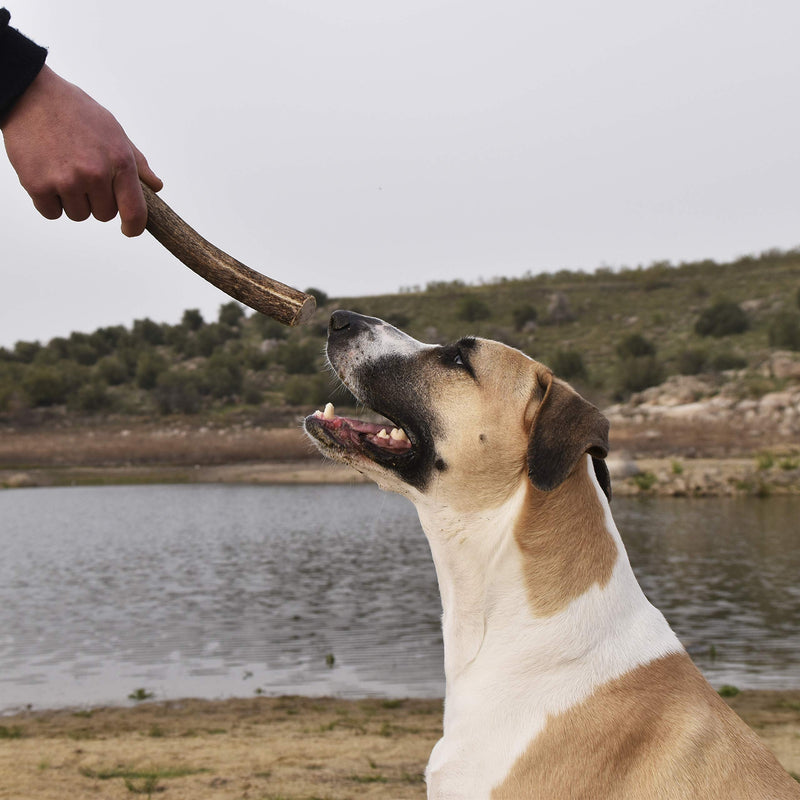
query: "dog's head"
469, 420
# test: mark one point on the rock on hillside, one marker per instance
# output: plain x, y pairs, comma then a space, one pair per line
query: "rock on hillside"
732, 397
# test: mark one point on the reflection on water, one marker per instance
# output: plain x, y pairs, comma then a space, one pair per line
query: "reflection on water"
213, 591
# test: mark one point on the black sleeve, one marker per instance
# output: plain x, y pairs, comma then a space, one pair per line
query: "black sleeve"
20, 62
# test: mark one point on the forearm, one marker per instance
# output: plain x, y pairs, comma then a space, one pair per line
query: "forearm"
20, 63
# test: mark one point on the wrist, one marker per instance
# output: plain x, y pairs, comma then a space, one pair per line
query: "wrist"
21, 61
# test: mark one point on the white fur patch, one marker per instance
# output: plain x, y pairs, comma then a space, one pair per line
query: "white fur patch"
508, 671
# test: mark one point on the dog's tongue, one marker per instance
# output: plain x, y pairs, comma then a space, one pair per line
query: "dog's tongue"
377, 434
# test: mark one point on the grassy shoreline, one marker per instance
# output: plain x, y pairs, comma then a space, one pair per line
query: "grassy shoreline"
267, 748
675, 460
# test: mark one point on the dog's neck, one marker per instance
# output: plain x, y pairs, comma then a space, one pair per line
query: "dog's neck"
509, 577
531, 624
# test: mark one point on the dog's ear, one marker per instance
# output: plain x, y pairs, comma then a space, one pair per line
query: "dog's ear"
564, 428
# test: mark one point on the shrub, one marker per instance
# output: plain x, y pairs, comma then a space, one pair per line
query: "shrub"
48, 385
231, 314
472, 309
524, 314
148, 368
691, 361
303, 390
112, 370
269, 328
721, 319
300, 358
568, 364
59, 347
784, 331
192, 319
726, 361
398, 319
320, 296
90, 397
26, 351
222, 376
637, 374
148, 332
210, 337
177, 392
106, 340
635, 346
251, 392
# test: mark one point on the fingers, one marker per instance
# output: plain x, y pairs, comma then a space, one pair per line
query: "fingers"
130, 201
48, 205
128, 191
76, 205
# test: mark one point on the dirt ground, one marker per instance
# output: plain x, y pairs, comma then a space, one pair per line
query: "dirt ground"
287, 748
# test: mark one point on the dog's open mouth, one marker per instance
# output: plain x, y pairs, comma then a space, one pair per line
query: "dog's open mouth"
379, 442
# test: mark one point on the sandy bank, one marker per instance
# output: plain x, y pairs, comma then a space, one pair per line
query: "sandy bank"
266, 748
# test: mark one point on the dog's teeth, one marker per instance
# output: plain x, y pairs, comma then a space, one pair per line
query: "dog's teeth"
382, 434
399, 435
318, 414
330, 412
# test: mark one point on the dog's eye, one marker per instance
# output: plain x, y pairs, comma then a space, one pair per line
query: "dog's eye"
458, 360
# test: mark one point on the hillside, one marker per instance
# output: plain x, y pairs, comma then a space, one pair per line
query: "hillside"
611, 333
697, 361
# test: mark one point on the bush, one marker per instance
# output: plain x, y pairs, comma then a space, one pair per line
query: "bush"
311, 390
26, 351
107, 340
210, 337
724, 318
472, 309
112, 370
82, 350
522, 315
300, 358
148, 368
568, 364
635, 346
231, 314
222, 376
148, 332
320, 296
691, 361
251, 392
192, 319
784, 331
269, 328
90, 397
725, 361
637, 374
177, 392
48, 385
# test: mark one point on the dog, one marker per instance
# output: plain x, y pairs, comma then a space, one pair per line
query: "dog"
562, 680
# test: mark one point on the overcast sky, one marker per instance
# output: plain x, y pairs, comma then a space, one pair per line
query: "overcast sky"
360, 146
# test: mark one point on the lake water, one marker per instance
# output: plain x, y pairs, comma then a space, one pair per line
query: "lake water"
216, 591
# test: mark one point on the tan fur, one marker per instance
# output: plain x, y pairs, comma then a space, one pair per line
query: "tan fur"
565, 543
485, 442
658, 733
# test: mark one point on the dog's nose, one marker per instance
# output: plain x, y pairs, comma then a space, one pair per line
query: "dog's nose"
340, 320
348, 323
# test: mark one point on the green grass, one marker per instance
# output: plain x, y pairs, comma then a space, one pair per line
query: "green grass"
728, 691
645, 481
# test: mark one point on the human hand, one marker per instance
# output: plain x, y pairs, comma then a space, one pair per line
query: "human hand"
72, 155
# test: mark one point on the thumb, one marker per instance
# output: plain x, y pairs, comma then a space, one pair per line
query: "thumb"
145, 173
